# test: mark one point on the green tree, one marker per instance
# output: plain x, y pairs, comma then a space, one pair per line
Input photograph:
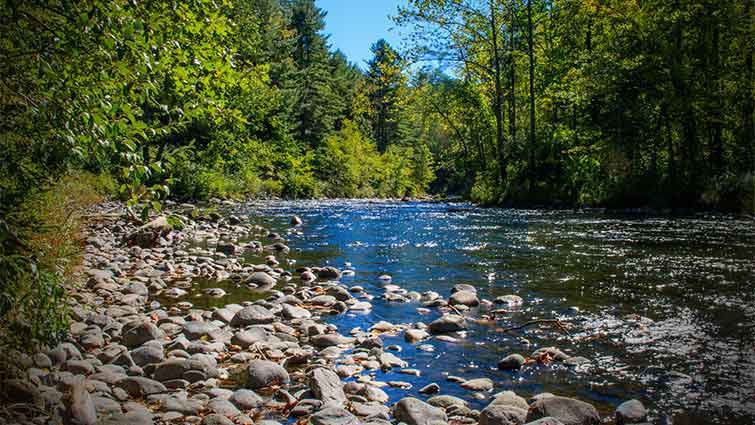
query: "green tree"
387, 86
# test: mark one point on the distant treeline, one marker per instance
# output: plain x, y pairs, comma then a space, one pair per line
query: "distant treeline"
611, 102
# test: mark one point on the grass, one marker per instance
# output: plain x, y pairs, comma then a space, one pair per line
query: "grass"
41, 246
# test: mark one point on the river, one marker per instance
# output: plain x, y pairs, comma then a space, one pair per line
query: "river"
664, 308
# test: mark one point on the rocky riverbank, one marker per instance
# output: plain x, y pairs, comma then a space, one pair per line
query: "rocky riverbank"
131, 359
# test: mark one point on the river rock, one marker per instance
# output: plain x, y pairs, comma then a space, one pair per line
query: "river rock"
329, 340
137, 386
292, 312
245, 399
502, 414
567, 410
296, 221
373, 393
431, 388
510, 300
448, 323
446, 401
216, 419
463, 287
148, 235
511, 362
333, 416
128, 418
467, 298
138, 332
546, 421
323, 300
252, 315
260, 279
329, 273
479, 384
551, 352
82, 410
326, 386
264, 373
630, 412
415, 335
510, 398
171, 369
416, 412
222, 407
196, 330
147, 354
182, 405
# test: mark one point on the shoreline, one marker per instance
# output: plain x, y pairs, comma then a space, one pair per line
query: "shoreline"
128, 359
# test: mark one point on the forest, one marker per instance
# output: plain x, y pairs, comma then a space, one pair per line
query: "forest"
575, 102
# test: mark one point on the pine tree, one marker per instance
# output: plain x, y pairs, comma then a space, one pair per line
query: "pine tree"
387, 82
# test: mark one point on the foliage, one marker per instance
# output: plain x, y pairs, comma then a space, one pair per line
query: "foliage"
611, 103
35, 263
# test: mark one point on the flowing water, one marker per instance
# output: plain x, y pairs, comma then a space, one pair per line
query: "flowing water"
664, 308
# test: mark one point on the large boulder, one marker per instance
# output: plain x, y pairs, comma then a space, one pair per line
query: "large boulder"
252, 315
416, 412
448, 323
567, 410
326, 386
264, 373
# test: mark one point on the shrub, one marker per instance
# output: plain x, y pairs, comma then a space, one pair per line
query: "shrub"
40, 251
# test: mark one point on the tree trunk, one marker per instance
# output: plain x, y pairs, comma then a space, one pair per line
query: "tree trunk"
531, 156
512, 79
747, 134
717, 147
498, 104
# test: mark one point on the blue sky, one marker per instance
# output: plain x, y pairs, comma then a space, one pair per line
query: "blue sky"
354, 25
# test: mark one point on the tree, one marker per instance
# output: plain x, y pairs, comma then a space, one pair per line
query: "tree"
385, 74
312, 102
467, 34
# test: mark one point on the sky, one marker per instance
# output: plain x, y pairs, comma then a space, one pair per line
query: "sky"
354, 25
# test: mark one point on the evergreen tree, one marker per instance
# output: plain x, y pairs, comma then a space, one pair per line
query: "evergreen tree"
313, 105
387, 82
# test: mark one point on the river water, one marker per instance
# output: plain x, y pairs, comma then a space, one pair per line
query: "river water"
664, 308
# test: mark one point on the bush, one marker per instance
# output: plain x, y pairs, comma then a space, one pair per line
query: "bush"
40, 252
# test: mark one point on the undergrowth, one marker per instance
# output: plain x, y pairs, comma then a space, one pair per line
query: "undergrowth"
40, 253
